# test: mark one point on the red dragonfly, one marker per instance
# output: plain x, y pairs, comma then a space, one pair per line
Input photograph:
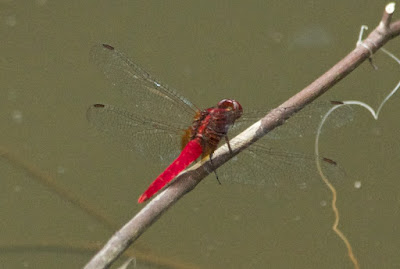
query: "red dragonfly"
201, 139
159, 110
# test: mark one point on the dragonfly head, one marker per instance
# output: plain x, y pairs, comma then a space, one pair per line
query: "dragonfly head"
231, 105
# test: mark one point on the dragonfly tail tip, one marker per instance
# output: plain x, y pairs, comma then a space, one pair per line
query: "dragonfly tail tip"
142, 198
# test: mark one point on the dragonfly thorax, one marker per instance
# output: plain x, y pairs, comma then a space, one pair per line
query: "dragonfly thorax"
211, 125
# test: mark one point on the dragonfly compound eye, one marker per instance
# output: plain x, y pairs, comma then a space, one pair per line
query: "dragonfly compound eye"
232, 105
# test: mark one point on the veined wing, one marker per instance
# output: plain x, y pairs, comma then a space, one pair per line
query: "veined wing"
303, 123
155, 140
146, 96
263, 166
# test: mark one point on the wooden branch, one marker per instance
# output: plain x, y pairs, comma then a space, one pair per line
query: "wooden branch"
186, 181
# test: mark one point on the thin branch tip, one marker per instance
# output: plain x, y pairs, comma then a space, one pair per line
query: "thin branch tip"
390, 8
387, 16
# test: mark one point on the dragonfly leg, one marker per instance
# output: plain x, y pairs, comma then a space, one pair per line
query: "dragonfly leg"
215, 170
229, 145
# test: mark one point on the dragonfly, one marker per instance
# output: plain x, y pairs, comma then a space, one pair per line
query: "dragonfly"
158, 113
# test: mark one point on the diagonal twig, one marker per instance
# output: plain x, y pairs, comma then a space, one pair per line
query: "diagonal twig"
185, 182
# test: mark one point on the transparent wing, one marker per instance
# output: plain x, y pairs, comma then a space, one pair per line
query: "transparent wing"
145, 96
303, 123
154, 139
263, 165
151, 117
260, 165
